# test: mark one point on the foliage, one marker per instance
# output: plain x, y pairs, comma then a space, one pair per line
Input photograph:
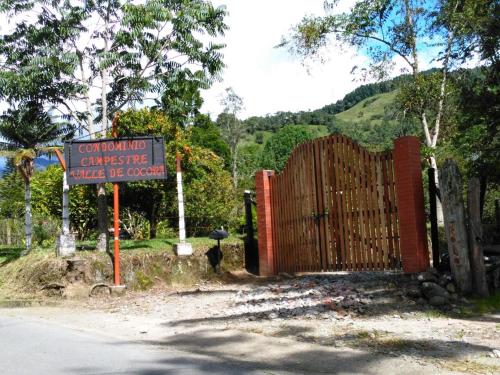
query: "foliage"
126, 50
209, 196
249, 156
28, 126
232, 129
206, 134
147, 122
181, 99
11, 196
46, 188
279, 147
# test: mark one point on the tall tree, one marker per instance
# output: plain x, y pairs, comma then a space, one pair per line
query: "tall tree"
389, 29
90, 59
232, 129
29, 130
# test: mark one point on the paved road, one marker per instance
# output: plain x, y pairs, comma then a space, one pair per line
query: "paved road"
33, 347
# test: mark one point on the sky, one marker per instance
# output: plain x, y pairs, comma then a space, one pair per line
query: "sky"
270, 79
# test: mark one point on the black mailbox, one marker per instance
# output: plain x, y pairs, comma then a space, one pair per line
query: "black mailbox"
218, 234
214, 254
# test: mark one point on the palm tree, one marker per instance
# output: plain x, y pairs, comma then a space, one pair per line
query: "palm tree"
29, 130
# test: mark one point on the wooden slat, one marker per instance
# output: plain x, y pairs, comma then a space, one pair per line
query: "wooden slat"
357, 206
320, 171
343, 204
378, 233
337, 211
293, 218
332, 261
364, 210
371, 221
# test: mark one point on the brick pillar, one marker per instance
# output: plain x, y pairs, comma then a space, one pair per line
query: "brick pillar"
264, 223
410, 202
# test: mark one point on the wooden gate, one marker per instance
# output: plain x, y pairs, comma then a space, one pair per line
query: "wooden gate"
334, 208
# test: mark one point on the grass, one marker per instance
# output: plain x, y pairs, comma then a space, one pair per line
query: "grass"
370, 110
487, 305
159, 244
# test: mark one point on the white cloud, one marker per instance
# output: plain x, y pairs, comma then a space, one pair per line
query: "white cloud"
267, 78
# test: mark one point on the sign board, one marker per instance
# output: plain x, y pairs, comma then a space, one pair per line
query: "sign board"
115, 160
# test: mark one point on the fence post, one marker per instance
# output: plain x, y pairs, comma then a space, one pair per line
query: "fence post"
410, 202
264, 222
251, 254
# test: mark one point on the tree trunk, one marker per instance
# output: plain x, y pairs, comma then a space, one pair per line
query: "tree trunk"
102, 219
27, 217
454, 219
102, 204
235, 166
439, 205
475, 237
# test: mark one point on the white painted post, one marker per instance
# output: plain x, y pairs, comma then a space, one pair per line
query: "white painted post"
66, 242
65, 205
182, 248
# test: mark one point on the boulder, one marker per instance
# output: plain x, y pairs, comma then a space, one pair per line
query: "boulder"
430, 290
413, 293
450, 287
434, 271
438, 301
427, 276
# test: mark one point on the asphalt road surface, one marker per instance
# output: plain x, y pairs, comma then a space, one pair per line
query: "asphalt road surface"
33, 347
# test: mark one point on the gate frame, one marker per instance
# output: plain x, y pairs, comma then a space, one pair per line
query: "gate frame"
410, 210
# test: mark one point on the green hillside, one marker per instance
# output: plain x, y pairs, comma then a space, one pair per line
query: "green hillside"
372, 110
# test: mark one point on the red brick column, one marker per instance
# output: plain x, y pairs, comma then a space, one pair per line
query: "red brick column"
410, 202
264, 223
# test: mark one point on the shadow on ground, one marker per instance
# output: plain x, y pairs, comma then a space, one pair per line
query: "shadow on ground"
230, 352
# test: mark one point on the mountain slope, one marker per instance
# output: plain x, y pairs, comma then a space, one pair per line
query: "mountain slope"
372, 110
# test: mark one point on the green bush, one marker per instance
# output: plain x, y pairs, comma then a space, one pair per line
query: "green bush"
281, 144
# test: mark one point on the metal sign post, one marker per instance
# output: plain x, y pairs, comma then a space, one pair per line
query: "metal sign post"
116, 218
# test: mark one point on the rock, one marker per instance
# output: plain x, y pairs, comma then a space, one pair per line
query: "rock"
413, 293
427, 276
421, 301
434, 271
438, 301
432, 290
454, 296
444, 280
450, 287
273, 315
495, 353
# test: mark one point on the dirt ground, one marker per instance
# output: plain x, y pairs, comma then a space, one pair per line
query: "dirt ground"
310, 323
